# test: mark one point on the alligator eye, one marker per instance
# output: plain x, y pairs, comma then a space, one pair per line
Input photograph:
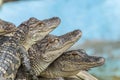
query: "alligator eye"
56, 40
30, 29
41, 24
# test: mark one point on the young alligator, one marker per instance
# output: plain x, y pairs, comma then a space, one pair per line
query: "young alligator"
68, 64
44, 52
6, 27
36, 30
11, 50
71, 63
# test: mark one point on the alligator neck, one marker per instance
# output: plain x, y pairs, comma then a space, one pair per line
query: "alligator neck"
21, 33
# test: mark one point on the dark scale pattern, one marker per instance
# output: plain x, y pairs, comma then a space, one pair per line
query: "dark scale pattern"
9, 57
12, 55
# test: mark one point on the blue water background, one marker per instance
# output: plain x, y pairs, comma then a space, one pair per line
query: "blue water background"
98, 19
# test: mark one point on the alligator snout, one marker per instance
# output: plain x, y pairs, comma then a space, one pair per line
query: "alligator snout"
71, 36
52, 22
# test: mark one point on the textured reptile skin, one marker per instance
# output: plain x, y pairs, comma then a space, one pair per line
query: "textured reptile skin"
44, 52
6, 27
12, 47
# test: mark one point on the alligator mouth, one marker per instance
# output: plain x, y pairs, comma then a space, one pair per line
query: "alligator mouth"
58, 50
77, 66
90, 63
66, 43
94, 63
97, 61
48, 29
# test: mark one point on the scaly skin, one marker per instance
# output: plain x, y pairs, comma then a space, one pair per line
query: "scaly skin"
12, 47
6, 27
44, 52
68, 64
11, 53
71, 63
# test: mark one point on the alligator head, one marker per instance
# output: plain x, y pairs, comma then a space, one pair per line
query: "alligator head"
71, 63
80, 60
33, 30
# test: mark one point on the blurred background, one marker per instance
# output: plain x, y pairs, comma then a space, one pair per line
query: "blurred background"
99, 21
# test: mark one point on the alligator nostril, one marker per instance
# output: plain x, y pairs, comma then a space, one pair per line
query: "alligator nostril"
56, 19
54, 22
101, 60
77, 32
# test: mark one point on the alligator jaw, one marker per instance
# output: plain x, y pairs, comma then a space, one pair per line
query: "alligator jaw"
94, 61
65, 42
86, 61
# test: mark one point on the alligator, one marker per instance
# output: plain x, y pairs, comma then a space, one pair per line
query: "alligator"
71, 63
40, 46
44, 52
28, 43
36, 30
13, 49
68, 64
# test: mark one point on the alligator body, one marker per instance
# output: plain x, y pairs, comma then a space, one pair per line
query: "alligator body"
13, 49
11, 54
